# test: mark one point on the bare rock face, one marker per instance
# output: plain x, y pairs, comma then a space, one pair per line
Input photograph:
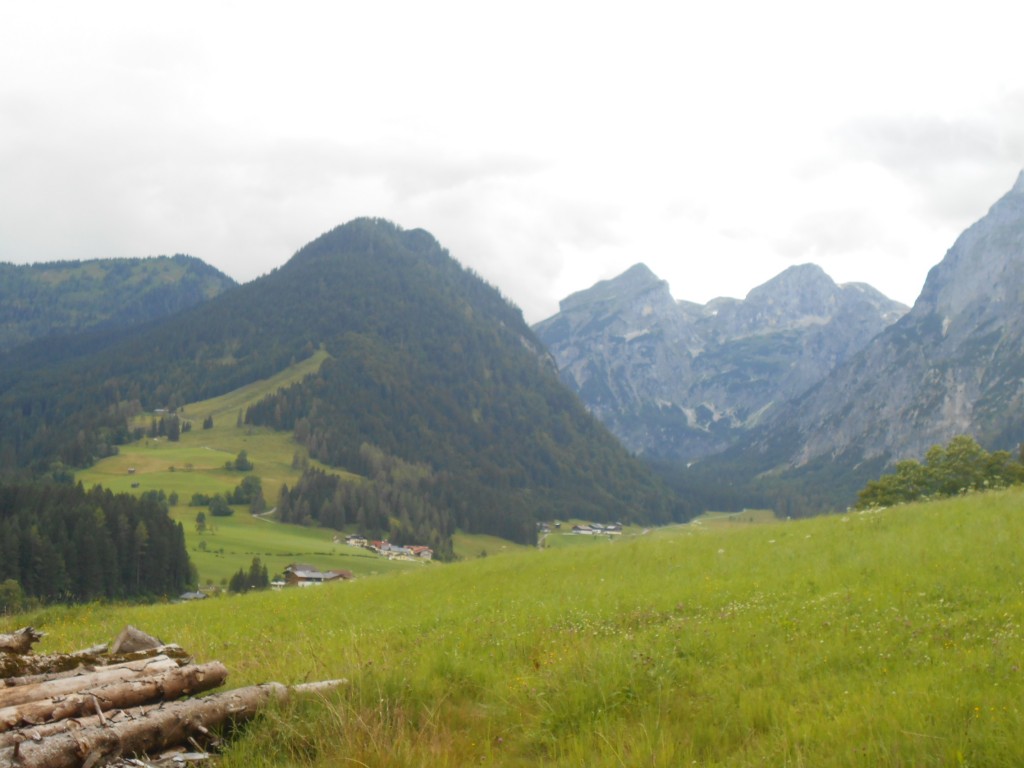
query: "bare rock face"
804, 379
953, 365
679, 381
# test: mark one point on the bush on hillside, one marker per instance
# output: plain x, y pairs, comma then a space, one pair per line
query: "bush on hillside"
961, 466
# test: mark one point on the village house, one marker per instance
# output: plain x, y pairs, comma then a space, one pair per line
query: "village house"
389, 550
597, 529
302, 575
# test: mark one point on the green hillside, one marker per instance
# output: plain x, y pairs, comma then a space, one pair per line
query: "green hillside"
230, 543
888, 638
71, 297
434, 388
195, 464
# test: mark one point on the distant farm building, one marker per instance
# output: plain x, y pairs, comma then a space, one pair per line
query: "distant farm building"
301, 575
597, 529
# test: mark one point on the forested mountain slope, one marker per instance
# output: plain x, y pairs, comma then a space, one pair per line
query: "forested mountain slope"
71, 297
428, 364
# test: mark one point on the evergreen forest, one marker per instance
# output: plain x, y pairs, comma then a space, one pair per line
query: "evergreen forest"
68, 298
62, 543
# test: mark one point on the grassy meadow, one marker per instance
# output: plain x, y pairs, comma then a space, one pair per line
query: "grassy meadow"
196, 464
889, 638
230, 543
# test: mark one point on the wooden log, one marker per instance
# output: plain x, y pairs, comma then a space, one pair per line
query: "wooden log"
14, 667
158, 729
164, 686
72, 724
84, 679
20, 641
94, 650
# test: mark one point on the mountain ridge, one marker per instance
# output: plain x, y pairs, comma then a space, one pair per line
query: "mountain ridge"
98, 295
952, 365
428, 364
677, 380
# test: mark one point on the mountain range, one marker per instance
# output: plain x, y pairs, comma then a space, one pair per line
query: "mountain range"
952, 365
791, 397
74, 297
799, 393
679, 381
427, 365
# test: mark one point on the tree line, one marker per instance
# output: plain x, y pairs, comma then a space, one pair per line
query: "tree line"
957, 468
393, 503
64, 543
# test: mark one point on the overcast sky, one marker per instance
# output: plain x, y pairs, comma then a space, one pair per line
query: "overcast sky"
547, 145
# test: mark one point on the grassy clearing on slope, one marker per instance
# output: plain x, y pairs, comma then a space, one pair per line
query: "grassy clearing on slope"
230, 543
470, 545
224, 408
879, 639
730, 519
196, 464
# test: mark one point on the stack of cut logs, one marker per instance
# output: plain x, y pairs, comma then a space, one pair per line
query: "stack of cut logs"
103, 704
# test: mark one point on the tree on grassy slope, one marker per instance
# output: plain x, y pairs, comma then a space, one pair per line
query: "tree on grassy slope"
961, 466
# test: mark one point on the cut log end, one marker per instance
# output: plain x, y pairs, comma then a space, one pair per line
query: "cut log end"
131, 640
20, 641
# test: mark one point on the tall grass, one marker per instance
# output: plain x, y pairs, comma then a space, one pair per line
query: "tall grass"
878, 639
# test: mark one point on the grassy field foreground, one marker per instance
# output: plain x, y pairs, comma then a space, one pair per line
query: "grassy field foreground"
888, 638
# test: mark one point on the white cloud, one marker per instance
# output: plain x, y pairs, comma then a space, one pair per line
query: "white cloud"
546, 145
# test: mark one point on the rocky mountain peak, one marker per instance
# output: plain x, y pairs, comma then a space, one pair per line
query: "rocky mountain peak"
985, 267
800, 297
951, 366
682, 380
798, 279
1018, 186
635, 282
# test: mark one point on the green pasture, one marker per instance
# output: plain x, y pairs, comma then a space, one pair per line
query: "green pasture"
567, 540
470, 545
563, 537
732, 519
230, 543
225, 408
196, 464
891, 638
